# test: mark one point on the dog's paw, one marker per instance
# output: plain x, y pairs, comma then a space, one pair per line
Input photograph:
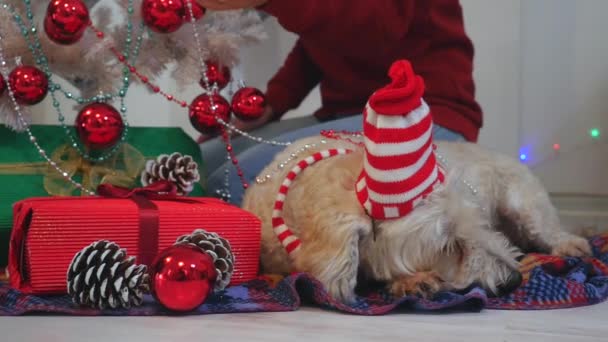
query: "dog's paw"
512, 282
423, 284
572, 246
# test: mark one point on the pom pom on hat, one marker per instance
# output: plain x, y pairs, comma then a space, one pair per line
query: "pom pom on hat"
402, 95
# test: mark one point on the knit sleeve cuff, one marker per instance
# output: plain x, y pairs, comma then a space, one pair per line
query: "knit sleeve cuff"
455, 120
280, 100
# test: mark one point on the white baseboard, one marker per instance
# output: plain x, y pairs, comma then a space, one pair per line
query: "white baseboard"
585, 214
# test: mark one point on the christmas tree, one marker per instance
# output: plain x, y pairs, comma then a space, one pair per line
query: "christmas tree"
102, 48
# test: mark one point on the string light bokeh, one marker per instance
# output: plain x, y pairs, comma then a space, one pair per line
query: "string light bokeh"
526, 156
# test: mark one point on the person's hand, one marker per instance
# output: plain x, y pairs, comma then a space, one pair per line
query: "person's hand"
223, 5
257, 123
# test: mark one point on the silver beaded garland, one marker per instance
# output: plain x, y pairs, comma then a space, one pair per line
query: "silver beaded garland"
468, 184
231, 127
282, 165
265, 178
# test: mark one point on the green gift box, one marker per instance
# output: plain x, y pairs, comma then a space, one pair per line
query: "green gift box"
24, 174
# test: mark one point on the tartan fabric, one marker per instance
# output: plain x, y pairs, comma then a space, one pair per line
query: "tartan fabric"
549, 283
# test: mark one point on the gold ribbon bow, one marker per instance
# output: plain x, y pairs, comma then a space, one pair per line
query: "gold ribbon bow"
122, 169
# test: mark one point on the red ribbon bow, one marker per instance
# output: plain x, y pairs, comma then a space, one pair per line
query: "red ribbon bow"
148, 212
158, 190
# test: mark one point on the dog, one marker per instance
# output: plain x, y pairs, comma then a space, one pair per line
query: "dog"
472, 229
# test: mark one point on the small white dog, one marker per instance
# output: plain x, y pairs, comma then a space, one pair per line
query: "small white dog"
470, 229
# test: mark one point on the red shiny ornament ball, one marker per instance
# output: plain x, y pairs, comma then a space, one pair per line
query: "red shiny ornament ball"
202, 115
217, 75
163, 16
248, 104
99, 126
198, 11
182, 277
2, 85
29, 84
66, 21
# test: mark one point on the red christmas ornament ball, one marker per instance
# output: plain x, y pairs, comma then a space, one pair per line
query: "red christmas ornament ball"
163, 16
29, 84
66, 21
248, 104
198, 11
217, 75
182, 277
203, 116
2, 85
99, 126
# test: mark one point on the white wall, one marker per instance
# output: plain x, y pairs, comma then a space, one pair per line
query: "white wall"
564, 88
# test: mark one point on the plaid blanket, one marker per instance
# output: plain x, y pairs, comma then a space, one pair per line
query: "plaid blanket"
549, 283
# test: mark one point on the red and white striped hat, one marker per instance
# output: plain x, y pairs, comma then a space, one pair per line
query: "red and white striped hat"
400, 168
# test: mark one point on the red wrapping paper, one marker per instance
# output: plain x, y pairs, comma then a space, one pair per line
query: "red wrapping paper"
48, 232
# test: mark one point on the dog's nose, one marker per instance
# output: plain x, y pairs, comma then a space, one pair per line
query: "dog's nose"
513, 282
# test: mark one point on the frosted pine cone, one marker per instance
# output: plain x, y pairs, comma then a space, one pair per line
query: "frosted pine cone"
219, 249
101, 276
175, 168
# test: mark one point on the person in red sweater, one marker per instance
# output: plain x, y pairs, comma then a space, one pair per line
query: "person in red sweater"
347, 46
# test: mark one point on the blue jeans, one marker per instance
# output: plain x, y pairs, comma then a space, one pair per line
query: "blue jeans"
256, 158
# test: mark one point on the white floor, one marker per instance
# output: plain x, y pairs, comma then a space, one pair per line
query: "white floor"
582, 324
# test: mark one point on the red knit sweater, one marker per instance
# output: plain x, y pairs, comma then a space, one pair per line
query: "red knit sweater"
348, 46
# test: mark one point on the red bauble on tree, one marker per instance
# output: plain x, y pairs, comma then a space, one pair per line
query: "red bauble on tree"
99, 126
29, 84
2, 85
182, 277
66, 21
198, 10
163, 16
248, 104
203, 114
216, 74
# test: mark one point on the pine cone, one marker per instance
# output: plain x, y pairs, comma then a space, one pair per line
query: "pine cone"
176, 168
101, 275
219, 249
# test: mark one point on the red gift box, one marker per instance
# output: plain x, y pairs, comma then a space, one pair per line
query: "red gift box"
48, 232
